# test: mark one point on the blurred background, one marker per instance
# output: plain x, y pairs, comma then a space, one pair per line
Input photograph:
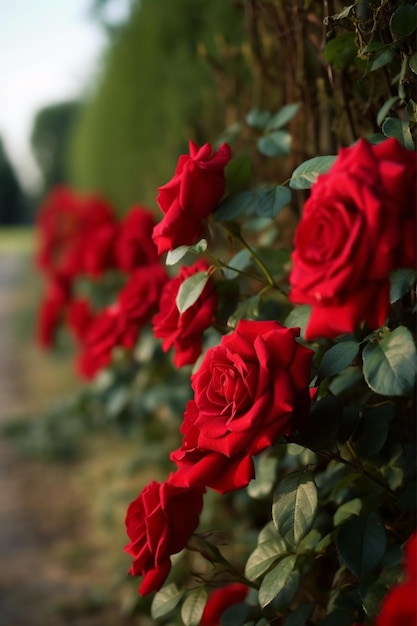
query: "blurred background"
102, 96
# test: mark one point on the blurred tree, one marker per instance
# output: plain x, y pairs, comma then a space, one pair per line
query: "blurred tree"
49, 139
156, 91
13, 207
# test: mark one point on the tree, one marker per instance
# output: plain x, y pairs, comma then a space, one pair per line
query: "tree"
12, 201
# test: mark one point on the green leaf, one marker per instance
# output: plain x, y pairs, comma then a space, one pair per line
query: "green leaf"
238, 173
271, 200
338, 357
301, 615
298, 318
239, 262
237, 615
411, 110
258, 119
401, 283
165, 600
390, 365
341, 50
193, 606
408, 499
413, 63
263, 202
277, 143
338, 618
248, 310
385, 109
283, 116
400, 130
381, 59
339, 16
264, 555
372, 431
306, 174
403, 21
265, 474
294, 506
190, 290
176, 255
361, 542
276, 580
274, 259
347, 510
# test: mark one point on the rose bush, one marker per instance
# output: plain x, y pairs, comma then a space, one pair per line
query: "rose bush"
134, 246
190, 196
220, 600
183, 332
159, 523
356, 228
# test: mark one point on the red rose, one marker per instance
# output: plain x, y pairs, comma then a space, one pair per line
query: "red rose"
159, 523
134, 246
52, 309
248, 391
220, 600
79, 318
190, 196
399, 607
184, 331
357, 226
202, 468
139, 298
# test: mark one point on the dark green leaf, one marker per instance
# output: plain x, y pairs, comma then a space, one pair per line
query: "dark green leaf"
258, 119
401, 283
413, 63
381, 59
165, 600
338, 618
341, 50
372, 431
283, 116
385, 109
339, 16
347, 510
271, 200
408, 499
338, 357
300, 616
193, 606
286, 595
298, 318
347, 379
264, 555
190, 290
262, 202
294, 506
411, 110
276, 580
390, 365
361, 542
236, 615
238, 173
400, 130
248, 310
273, 259
277, 143
306, 174
239, 262
403, 21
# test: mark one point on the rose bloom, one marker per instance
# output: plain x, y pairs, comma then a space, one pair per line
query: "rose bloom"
220, 600
134, 246
79, 318
184, 331
190, 196
358, 225
399, 607
121, 323
248, 391
159, 523
205, 468
76, 234
52, 310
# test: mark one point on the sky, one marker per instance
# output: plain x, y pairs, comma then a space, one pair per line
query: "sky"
49, 52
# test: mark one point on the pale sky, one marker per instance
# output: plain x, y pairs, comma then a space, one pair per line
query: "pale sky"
49, 52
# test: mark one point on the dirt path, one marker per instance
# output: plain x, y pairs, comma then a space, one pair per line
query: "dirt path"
37, 507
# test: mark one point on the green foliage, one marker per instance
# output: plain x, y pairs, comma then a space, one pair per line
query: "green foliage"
305, 175
294, 506
361, 542
13, 205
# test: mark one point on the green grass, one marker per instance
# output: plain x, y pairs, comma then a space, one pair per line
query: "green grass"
17, 239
